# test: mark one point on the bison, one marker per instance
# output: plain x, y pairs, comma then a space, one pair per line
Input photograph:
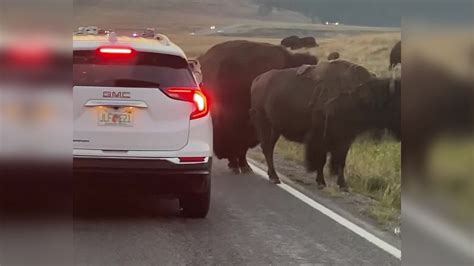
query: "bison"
294, 42
309, 42
325, 107
333, 56
228, 71
436, 103
396, 55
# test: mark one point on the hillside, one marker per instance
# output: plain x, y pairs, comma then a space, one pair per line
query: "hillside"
173, 15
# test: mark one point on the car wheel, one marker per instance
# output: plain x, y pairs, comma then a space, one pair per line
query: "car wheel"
196, 205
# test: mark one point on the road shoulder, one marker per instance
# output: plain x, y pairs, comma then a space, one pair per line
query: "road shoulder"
351, 206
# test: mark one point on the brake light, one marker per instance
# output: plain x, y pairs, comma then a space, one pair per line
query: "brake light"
193, 95
115, 52
201, 105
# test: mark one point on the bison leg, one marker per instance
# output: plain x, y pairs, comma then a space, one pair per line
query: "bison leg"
338, 163
267, 147
321, 158
268, 138
243, 164
234, 165
315, 154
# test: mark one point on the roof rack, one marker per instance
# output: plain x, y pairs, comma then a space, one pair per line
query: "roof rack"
148, 33
91, 30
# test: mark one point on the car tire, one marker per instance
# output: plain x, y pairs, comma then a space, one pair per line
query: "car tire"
196, 205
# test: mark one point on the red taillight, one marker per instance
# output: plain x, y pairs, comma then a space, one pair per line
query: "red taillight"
193, 95
192, 159
202, 106
115, 51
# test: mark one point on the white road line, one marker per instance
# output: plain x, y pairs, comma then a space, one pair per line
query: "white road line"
336, 217
435, 225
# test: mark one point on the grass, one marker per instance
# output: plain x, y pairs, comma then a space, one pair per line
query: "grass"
373, 169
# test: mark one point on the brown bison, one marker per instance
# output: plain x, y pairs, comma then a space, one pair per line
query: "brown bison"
396, 55
294, 42
436, 103
333, 56
309, 42
228, 71
325, 107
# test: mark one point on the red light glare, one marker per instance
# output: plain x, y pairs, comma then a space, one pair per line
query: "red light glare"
115, 50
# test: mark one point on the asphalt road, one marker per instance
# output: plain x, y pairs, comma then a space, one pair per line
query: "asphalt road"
251, 222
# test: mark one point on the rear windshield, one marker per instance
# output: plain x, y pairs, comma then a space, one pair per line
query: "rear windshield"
142, 70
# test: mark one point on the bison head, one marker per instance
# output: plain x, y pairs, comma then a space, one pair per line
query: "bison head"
380, 98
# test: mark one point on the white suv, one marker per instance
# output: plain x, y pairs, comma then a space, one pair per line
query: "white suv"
140, 116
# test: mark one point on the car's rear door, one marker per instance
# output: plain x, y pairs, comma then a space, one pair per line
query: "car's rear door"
119, 104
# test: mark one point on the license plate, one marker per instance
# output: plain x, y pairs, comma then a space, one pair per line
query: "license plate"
115, 118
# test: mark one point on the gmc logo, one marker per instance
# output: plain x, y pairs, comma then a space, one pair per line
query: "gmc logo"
113, 94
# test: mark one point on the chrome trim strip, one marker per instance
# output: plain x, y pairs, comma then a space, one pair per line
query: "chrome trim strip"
131, 103
174, 160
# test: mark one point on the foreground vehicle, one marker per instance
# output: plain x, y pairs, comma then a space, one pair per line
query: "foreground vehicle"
141, 118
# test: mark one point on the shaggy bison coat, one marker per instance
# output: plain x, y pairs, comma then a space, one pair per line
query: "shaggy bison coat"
228, 71
294, 42
308, 42
436, 103
325, 107
396, 55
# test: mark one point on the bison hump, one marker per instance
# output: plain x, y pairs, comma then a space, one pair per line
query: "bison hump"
335, 78
347, 74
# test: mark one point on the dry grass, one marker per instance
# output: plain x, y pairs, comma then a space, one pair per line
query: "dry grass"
370, 50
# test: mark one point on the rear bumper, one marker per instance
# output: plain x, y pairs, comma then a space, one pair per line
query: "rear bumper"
155, 166
154, 176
